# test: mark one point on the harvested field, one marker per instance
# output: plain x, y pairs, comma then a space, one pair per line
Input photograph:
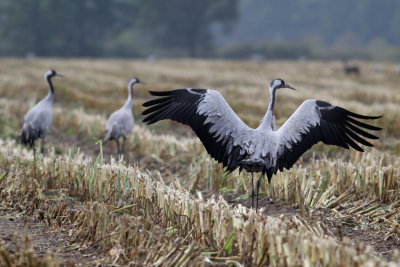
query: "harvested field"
166, 202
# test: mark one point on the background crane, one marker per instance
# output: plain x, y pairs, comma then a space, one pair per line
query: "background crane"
120, 122
38, 120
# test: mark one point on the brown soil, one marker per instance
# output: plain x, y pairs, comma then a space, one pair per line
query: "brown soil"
15, 226
272, 207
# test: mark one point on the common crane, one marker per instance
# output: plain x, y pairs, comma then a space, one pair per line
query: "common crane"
349, 69
120, 122
230, 141
38, 120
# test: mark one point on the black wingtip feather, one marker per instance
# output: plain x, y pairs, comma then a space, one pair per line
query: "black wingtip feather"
361, 132
155, 114
353, 144
156, 107
357, 138
364, 125
157, 101
359, 116
161, 93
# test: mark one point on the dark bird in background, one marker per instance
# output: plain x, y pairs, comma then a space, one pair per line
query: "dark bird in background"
262, 150
38, 120
120, 122
349, 69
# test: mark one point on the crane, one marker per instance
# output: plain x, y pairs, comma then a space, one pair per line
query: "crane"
38, 120
262, 150
120, 122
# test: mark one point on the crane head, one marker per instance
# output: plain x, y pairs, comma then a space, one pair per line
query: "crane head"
135, 80
51, 73
279, 83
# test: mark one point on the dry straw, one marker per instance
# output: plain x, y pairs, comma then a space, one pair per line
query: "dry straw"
130, 212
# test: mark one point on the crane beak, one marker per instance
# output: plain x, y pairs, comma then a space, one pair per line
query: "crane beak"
58, 74
141, 82
289, 86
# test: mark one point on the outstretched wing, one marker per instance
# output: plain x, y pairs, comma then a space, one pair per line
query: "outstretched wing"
316, 121
221, 131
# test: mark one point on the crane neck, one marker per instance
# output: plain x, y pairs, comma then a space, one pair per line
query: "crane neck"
271, 105
268, 121
48, 79
50, 95
128, 103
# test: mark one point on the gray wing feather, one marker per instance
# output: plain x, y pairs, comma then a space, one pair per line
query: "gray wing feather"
223, 120
304, 118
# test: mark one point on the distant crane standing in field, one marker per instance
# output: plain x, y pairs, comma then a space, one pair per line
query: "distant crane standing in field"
351, 69
120, 122
38, 119
230, 141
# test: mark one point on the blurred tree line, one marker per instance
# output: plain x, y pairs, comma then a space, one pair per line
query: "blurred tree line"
207, 28
90, 28
291, 20
316, 28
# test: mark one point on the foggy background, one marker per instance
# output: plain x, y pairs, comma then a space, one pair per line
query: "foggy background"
260, 29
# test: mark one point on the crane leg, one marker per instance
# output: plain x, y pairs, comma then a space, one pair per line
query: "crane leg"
258, 187
252, 191
117, 141
32, 145
42, 146
123, 144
